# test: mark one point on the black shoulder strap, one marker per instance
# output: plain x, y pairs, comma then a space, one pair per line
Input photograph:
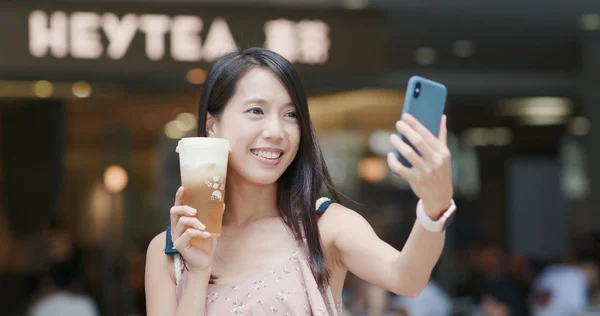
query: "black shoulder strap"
323, 204
169, 247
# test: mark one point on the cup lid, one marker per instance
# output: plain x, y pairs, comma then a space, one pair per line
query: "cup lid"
203, 142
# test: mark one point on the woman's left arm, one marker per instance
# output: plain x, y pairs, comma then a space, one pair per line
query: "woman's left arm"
360, 250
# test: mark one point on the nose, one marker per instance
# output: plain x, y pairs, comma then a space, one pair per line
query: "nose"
273, 129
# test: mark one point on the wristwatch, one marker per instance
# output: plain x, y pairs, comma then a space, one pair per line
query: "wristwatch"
435, 226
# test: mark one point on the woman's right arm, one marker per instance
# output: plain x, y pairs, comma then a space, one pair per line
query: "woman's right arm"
160, 272
160, 279
161, 297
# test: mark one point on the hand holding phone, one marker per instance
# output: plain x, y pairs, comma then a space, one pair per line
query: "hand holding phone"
422, 156
425, 100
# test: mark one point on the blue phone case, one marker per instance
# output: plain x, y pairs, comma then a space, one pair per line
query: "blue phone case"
425, 100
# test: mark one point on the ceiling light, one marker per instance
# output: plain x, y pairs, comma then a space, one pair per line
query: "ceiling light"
372, 169
188, 121
175, 129
537, 106
463, 48
543, 120
115, 178
196, 76
355, 4
426, 56
580, 126
43, 88
82, 89
590, 22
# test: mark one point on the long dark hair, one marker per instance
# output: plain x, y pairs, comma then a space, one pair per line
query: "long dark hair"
300, 185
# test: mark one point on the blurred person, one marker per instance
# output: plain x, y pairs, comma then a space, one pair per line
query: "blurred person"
60, 291
363, 298
503, 297
255, 100
433, 301
565, 288
481, 262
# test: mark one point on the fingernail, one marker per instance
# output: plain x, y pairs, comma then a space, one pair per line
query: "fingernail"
192, 211
206, 234
202, 226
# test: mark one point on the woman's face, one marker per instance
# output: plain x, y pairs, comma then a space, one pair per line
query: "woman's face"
259, 121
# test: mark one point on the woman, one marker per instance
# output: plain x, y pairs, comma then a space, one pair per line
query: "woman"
275, 254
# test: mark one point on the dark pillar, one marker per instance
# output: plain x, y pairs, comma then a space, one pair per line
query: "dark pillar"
590, 96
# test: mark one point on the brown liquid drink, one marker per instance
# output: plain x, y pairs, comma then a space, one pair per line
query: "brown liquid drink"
203, 165
206, 194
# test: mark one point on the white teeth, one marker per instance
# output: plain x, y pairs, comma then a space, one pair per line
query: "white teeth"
266, 154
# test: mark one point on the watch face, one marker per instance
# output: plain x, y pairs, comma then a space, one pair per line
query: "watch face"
449, 220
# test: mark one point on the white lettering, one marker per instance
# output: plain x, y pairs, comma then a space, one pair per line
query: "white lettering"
185, 38
219, 40
119, 33
43, 37
281, 38
314, 41
155, 26
85, 39
79, 35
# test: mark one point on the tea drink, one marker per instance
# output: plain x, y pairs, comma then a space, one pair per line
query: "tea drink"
203, 165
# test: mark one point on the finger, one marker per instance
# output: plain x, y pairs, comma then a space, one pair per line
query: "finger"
179, 196
444, 130
175, 213
407, 152
399, 168
428, 137
186, 237
187, 222
416, 139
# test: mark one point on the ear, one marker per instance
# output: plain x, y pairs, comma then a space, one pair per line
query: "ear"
211, 125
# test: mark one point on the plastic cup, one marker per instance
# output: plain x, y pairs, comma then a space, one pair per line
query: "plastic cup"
203, 165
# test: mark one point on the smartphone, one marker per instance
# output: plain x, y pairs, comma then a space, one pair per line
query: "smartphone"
425, 100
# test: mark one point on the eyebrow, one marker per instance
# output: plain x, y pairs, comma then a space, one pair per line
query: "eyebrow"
262, 101
256, 100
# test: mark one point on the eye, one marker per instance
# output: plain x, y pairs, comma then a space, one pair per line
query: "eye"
256, 111
291, 114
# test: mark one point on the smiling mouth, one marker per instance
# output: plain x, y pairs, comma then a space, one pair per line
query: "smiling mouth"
266, 154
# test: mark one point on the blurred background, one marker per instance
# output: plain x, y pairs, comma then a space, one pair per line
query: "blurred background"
95, 94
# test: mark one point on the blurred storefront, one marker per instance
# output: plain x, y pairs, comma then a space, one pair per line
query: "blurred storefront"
93, 98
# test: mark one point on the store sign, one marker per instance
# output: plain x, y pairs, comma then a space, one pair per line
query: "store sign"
79, 35
118, 41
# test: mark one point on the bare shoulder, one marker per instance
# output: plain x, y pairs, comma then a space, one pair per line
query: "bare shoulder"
156, 260
339, 219
337, 227
159, 279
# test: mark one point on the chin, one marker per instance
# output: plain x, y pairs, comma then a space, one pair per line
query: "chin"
262, 177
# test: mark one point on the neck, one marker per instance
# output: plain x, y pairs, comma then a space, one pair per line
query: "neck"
247, 202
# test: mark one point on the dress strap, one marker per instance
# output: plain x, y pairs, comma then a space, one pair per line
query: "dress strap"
178, 265
323, 204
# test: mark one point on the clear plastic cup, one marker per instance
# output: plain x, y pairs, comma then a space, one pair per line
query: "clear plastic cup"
203, 165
